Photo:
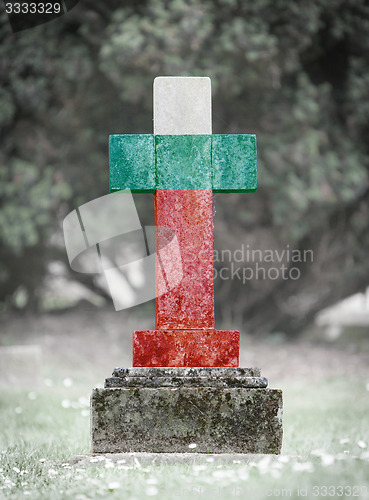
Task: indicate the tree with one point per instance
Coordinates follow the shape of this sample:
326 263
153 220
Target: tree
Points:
296 75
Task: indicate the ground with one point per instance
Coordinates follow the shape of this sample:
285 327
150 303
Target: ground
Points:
326 403
89 342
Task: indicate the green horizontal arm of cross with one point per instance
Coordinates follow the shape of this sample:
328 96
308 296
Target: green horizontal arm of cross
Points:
144 163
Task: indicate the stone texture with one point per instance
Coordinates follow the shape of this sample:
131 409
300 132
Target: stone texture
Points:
190 305
203 371
184 376
251 382
132 163
234 163
217 420
182 105
144 162
186 348
183 162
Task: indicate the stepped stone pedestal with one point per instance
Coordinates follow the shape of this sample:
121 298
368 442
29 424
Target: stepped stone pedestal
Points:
165 410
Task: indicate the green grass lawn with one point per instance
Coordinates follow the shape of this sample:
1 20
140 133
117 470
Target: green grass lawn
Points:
325 451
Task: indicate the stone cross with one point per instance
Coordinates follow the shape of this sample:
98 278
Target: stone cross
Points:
183 163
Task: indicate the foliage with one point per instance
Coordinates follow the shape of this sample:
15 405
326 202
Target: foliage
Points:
296 74
39 194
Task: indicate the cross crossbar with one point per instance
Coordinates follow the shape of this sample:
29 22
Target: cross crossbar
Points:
145 163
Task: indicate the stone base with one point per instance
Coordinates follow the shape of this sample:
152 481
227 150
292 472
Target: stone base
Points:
136 416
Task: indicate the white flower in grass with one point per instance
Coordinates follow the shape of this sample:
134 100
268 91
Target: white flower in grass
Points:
327 460
264 464
114 485
220 474
32 396
217 473
152 491
26 492
124 467
8 482
121 461
109 465
344 440
18 410
65 403
318 453
199 467
84 402
277 465
341 456
85 413
67 382
243 474
192 446
361 444
303 467
275 473
52 472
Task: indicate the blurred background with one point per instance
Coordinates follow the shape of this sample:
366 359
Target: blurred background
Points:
294 73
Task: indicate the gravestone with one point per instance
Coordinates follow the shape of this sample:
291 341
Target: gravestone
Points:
185 391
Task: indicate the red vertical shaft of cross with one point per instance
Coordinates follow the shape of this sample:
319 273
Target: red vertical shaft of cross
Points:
191 305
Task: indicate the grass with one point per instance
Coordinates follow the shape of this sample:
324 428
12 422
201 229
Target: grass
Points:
325 451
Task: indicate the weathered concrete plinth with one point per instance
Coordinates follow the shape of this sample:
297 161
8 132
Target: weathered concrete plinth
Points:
165 410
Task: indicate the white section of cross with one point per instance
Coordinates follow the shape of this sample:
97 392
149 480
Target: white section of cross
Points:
182 105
